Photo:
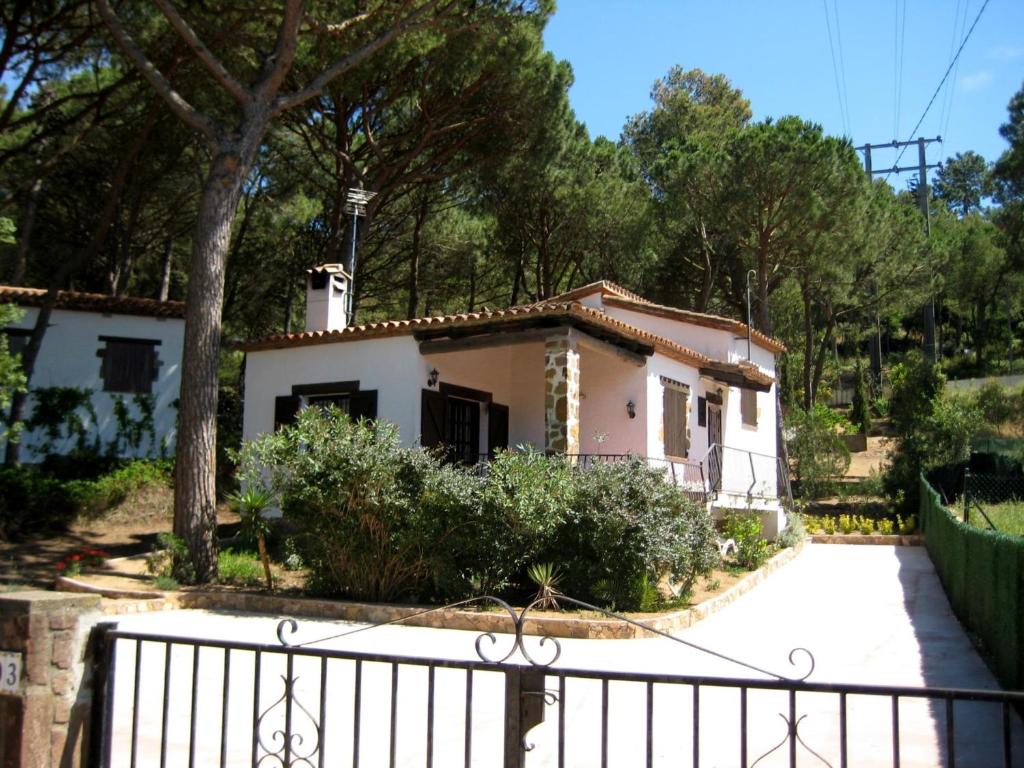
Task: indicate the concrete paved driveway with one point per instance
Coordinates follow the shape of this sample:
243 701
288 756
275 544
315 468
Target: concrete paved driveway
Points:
869 614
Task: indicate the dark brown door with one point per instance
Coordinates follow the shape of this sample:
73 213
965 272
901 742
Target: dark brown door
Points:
432 422
463 434
497 428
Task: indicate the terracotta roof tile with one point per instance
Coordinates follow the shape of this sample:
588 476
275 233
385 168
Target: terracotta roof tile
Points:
93 302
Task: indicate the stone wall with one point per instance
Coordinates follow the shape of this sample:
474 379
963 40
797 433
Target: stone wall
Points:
45 720
561 395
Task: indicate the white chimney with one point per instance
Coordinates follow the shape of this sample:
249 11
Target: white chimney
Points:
327 290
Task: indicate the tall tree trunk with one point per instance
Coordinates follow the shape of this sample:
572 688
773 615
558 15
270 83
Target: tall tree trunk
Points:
28 224
195 489
165 269
980 332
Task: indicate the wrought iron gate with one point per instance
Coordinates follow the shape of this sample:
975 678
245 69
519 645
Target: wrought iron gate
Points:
171 700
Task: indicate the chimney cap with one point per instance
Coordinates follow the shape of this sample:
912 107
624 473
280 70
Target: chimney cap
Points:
328 269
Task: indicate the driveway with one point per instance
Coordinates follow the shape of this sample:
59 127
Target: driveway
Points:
869 614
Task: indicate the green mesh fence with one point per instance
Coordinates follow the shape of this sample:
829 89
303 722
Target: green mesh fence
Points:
983 573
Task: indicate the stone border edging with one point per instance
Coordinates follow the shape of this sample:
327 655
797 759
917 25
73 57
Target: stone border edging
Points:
67 584
475 621
911 540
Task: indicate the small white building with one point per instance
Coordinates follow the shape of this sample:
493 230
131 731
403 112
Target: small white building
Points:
122 355
595 373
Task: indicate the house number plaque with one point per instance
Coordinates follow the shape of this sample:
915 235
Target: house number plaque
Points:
10 671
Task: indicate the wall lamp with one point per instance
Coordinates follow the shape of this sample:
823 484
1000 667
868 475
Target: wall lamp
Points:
631 409
432 377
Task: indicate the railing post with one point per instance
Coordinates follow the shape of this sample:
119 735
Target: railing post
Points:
967 497
524 709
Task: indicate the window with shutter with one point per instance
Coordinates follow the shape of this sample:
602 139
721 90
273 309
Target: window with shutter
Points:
674 421
129 365
748 407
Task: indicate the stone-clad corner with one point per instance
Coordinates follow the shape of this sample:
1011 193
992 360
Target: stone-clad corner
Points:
46 717
561 395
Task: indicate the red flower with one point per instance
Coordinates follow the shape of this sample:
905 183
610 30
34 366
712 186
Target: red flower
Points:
61 566
75 558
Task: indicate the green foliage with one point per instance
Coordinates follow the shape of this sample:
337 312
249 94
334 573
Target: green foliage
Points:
1000 407
241 569
860 411
745 529
546 576
132 429
12 378
885 527
170 559
63 414
794 532
378 521
931 428
37 499
818 453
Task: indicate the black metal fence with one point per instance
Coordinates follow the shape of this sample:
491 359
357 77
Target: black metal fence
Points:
171 700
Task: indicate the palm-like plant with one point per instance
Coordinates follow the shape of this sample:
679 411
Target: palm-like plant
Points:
546 576
250 504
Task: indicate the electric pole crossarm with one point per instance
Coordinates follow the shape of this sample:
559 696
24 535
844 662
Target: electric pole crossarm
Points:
904 168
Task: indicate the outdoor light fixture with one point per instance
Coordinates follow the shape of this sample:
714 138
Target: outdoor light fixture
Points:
631 409
432 377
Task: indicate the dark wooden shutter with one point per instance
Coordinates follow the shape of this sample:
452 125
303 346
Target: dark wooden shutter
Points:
286 410
674 422
363 405
497 428
702 411
432 418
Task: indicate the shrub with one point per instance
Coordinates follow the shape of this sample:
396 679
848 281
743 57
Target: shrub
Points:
817 451
865 525
931 429
885 526
847 523
745 529
171 559
377 521
997 406
860 410
794 532
625 528
828 525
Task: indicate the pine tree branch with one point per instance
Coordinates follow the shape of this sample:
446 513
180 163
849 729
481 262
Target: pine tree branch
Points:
185 111
224 78
414 20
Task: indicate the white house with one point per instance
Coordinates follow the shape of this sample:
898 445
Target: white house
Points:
595 372
124 353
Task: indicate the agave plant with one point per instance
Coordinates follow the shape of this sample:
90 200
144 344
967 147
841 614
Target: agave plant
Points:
250 504
546 576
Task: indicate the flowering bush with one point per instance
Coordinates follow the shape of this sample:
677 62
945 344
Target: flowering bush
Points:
72 565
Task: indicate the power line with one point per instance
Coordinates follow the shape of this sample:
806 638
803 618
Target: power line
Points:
951 85
942 82
842 65
900 44
835 69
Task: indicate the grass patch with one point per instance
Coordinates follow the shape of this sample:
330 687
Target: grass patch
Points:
241 569
1007 517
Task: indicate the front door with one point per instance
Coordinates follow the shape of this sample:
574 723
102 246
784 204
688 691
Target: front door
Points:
463 433
715 440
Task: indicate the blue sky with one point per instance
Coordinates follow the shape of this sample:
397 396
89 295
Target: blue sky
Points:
777 52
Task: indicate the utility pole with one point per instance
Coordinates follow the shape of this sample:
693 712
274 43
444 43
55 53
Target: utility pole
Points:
930 347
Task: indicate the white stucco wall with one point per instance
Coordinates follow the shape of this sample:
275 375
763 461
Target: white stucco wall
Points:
68 358
607 383
392 366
